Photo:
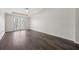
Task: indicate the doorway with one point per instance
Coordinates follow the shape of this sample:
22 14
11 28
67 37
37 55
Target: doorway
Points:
19 23
15 22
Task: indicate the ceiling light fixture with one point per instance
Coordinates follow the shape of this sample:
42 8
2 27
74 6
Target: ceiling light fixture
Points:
27 9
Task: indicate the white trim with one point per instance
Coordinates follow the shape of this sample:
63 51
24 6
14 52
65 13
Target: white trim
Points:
1 35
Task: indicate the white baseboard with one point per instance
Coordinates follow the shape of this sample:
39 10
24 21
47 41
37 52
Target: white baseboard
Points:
76 42
1 35
54 35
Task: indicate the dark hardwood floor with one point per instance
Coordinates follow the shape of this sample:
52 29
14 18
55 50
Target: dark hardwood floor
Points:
33 40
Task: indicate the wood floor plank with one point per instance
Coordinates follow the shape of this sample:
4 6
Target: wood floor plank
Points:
33 40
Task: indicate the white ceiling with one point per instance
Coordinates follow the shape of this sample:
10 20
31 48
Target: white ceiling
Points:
32 11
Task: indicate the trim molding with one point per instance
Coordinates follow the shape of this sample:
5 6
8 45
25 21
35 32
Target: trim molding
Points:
2 35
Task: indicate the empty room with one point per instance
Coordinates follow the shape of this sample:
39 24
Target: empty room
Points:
39 29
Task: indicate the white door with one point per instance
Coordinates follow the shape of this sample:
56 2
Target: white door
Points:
22 23
14 23
17 23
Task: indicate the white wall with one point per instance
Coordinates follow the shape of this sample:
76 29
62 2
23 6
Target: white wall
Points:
2 25
77 26
59 22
